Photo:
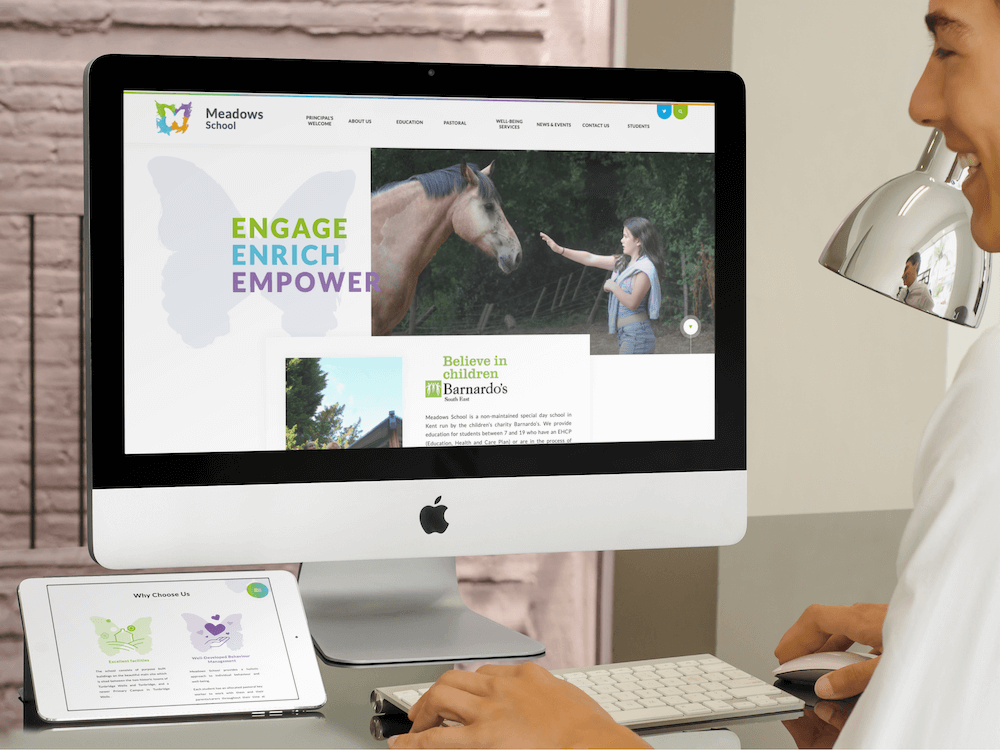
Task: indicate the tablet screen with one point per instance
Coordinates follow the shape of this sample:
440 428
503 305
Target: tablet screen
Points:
146 644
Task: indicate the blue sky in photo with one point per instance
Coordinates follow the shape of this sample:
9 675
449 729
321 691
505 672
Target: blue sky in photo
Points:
369 387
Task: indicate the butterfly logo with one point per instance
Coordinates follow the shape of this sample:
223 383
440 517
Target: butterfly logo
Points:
136 638
215 631
196 226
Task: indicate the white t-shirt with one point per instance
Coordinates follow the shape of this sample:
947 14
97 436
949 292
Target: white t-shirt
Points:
937 682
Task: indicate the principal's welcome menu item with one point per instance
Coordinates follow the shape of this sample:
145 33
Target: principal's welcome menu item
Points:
170 643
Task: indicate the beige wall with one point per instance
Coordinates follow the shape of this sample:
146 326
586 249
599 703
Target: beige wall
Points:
840 381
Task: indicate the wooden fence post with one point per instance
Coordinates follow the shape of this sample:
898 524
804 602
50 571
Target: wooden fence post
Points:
563 300
555 297
485 318
597 300
576 291
538 304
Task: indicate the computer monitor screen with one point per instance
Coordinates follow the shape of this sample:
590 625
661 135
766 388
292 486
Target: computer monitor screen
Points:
322 310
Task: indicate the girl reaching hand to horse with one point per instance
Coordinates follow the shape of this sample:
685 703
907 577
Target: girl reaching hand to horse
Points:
634 286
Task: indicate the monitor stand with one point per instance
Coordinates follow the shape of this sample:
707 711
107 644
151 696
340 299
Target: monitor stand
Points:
392 612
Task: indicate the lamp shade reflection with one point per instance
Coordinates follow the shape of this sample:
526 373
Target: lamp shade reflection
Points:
911 241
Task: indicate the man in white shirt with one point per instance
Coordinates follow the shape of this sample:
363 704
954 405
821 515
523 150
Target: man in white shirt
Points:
914 292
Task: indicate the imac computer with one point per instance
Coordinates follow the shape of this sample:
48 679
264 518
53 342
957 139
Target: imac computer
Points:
356 315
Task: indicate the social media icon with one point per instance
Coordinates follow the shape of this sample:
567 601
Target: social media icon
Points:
257 590
663 111
680 111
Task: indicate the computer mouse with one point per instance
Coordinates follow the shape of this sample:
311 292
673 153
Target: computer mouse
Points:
807 669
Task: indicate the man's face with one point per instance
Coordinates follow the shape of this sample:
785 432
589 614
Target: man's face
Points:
909 274
959 93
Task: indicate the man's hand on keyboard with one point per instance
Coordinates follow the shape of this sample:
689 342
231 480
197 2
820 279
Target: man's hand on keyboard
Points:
836 628
511 706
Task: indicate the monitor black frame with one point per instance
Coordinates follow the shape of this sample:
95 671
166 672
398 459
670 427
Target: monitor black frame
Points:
108 78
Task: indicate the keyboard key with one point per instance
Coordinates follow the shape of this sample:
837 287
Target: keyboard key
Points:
716 667
736 674
762 700
676 700
649 684
749 692
612 708
672 682
689 663
697 698
651 702
605 699
667 673
627 695
580 682
606 689
669 691
597 673
746 704
665 665
718 706
720 695
644 668
694 679
573 675
589 691
628 705
603 679
746 682
622 670
647 693
786 699
658 713
693 709
688 689
711 660
689 670
706 686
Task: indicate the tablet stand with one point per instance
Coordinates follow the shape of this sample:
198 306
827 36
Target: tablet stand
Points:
395 612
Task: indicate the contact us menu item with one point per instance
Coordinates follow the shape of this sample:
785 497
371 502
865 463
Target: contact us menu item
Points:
159 644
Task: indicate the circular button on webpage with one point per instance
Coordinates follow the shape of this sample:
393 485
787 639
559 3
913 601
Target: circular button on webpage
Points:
691 326
257 590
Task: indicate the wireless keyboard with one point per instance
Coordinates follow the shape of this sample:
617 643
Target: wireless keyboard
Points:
652 693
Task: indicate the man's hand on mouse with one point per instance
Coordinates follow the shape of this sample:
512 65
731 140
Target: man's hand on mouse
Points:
835 628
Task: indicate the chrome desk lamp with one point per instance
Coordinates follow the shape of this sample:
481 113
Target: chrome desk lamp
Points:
911 241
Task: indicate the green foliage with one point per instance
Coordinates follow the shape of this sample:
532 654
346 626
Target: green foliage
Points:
304 420
581 200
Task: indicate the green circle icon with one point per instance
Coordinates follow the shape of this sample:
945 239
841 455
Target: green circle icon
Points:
680 111
130 627
257 590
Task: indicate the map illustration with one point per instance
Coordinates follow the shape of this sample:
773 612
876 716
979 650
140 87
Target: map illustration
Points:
136 638
215 631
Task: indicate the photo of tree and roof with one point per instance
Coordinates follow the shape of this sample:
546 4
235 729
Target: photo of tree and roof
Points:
579 199
343 402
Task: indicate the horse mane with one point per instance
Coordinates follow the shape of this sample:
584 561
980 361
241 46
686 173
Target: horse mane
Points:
442 182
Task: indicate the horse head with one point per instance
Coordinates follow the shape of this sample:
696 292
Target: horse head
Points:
479 220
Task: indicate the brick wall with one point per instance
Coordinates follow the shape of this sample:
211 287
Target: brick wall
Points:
44 46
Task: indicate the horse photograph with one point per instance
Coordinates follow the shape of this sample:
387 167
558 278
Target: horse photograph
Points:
483 242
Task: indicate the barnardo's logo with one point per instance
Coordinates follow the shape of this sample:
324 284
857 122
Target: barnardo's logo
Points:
432 389
169 123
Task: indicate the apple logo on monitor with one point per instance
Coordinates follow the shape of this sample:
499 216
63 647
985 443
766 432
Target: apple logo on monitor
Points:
432 518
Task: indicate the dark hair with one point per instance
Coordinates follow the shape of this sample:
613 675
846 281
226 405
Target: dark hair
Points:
915 260
649 244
